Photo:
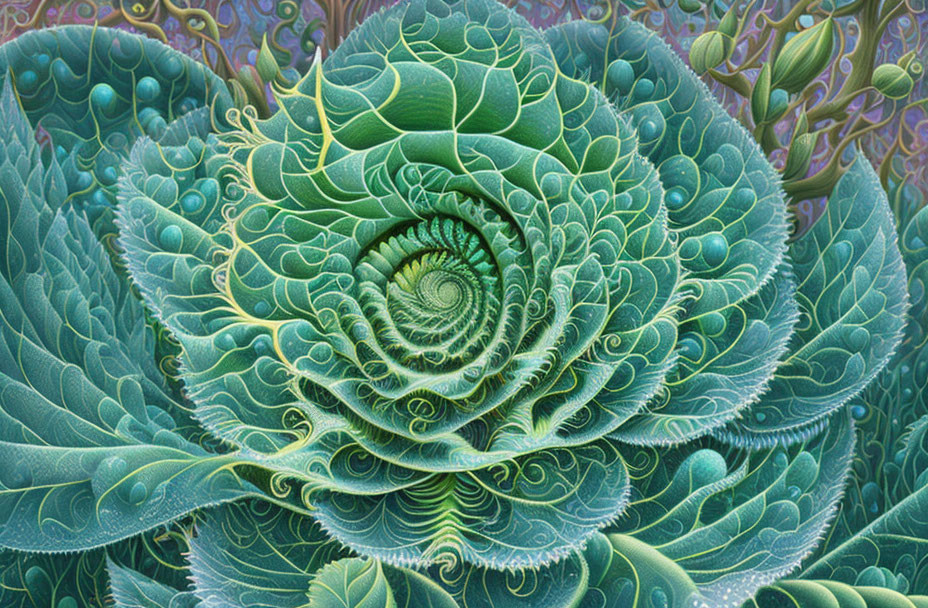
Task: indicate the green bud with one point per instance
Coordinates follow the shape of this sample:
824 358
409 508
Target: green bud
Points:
779 102
802 125
689 6
729 23
799 156
906 59
267 64
760 95
892 81
804 57
916 68
250 81
710 50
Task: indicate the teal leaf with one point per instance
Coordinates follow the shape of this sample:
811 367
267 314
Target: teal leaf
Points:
723 197
896 540
892 412
732 532
79 580
726 360
852 302
256 554
351 583
632 574
95 91
832 594
89 445
526 512
562 584
131 589
727 213
77 498
57 580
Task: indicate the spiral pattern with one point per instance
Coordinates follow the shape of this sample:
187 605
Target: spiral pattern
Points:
444 284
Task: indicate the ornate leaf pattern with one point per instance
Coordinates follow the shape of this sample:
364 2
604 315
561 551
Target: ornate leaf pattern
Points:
481 316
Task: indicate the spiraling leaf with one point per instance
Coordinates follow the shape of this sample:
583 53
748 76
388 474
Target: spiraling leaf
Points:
727 213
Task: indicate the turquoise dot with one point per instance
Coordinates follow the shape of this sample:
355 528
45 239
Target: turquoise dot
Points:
147 88
675 198
263 345
760 416
171 67
806 21
262 308
644 88
713 323
28 80
146 115
690 348
138 493
99 197
35 576
60 153
43 60
61 70
156 127
707 466
620 76
226 341
858 412
103 97
649 130
172 238
744 198
186 105
794 492
209 187
714 249
659 598
84 180
780 460
191 202
67 602
109 176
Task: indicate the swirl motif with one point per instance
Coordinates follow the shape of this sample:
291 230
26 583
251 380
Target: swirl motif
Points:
511 316
448 276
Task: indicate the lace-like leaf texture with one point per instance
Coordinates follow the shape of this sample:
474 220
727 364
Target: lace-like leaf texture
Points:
442 306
